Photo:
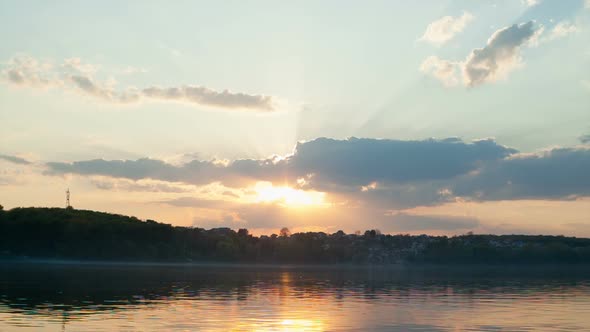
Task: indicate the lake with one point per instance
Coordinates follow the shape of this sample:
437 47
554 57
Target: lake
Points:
68 297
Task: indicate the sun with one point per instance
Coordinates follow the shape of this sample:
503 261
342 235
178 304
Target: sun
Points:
266 192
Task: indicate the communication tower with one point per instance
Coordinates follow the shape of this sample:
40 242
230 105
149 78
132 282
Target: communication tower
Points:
68 206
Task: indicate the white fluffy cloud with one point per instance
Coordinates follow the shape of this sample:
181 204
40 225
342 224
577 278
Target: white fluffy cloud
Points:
26 71
495 60
530 3
562 29
443 70
106 92
445 28
500 55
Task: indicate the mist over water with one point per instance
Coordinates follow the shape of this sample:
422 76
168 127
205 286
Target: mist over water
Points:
288 298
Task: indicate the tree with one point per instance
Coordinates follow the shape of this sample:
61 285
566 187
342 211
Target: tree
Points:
1 207
80 234
371 234
285 232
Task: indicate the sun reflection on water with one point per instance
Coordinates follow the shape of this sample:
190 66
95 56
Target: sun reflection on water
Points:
285 299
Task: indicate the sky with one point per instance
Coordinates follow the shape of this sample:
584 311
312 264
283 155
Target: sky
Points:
437 117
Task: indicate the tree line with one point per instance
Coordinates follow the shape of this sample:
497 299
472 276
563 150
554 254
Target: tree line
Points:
55 233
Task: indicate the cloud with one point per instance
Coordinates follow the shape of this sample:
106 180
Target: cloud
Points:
500 55
531 3
443 70
205 96
394 173
585 139
73 74
561 30
325 163
91 88
357 162
409 222
266 216
560 173
24 70
401 196
198 203
139 186
18 172
238 173
385 174
130 70
16 160
360 178
445 28
495 60
75 65
144 168
230 194
272 216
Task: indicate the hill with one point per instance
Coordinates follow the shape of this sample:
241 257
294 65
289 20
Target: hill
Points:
54 233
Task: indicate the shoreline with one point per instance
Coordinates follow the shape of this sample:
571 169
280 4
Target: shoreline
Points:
408 266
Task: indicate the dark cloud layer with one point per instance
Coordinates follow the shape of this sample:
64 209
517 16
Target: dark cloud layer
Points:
195 172
328 162
16 160
137 186
386 173
357 162
558 173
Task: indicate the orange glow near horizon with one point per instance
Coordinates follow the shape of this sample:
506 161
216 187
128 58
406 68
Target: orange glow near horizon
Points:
290 197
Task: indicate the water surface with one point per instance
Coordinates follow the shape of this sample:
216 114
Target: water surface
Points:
58 297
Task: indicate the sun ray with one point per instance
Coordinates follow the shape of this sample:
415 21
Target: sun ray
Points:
266 193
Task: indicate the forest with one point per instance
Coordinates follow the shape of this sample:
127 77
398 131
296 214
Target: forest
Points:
71 234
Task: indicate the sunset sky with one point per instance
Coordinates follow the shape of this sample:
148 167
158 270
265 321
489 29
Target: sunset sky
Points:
437 117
